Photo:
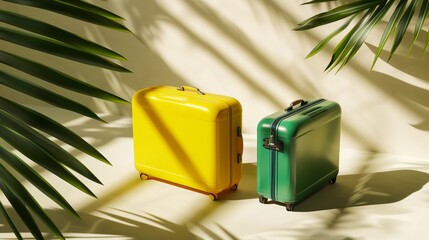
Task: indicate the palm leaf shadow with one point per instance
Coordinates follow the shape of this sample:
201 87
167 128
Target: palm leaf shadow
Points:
115 225
247 186
120 223
366 189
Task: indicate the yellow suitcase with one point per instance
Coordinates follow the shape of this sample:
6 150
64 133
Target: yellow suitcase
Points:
189 138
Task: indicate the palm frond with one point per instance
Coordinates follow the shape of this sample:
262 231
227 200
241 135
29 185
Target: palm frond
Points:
76 11
421 19
396 27
22 201
21 127
393 21
51 31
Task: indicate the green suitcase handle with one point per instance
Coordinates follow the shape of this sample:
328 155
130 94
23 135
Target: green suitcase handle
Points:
299 102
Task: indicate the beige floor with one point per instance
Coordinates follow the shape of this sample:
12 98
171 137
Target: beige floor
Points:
377 196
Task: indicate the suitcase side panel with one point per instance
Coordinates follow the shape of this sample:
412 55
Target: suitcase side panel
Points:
165 147
314 155
263 167
235 136
309 158
317 155
236 153
285 180
267 160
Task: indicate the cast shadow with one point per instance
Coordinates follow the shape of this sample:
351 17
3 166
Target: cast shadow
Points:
409 58
365 189
247 186
118 223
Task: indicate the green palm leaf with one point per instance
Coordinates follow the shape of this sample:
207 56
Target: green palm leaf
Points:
391 26
9 221
92 8
403 25
64 157
56 33
21 210
32 176
20 126
49 126
374 19
340 50
337 14
87 14
45 95
326 40
56 48
56 77
42 158
19 196
398 23
361 32
421 19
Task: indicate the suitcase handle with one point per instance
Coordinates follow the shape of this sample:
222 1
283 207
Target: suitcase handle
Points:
295 103
240 146
188 88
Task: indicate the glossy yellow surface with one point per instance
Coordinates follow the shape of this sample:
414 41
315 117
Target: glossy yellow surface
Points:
187 138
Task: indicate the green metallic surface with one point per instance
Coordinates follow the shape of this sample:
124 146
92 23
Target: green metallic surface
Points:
310 157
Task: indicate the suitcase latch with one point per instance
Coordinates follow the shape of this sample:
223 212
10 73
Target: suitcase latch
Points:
270 144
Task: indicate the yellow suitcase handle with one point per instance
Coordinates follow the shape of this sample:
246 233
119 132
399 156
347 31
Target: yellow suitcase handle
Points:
188 88
240 146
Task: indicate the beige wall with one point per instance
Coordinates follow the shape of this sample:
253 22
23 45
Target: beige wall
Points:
246 49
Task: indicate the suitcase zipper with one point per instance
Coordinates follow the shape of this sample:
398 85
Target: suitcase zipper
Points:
275 146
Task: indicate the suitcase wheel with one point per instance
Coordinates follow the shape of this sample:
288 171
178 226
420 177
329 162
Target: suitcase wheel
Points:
333 180
263 199
213 196
144 176
233 187
289 207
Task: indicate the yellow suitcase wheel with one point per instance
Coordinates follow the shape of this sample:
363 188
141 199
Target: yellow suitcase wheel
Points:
234 187
144 176
213 196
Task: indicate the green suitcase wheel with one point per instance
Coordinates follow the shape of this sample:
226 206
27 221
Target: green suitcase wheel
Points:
263 199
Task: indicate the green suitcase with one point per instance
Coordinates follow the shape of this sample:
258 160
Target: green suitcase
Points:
298 151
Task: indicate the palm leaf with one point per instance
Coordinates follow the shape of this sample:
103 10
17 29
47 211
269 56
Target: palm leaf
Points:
56 77
56 48
77 12
49 126
340 50
318 1
421 19
20 126
45 95
392 23
56 33
38 181
403 25
64 157
22 200
337 14
398 23
362 31
326 40
42 158
375 18
21 210
92 8
9 221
